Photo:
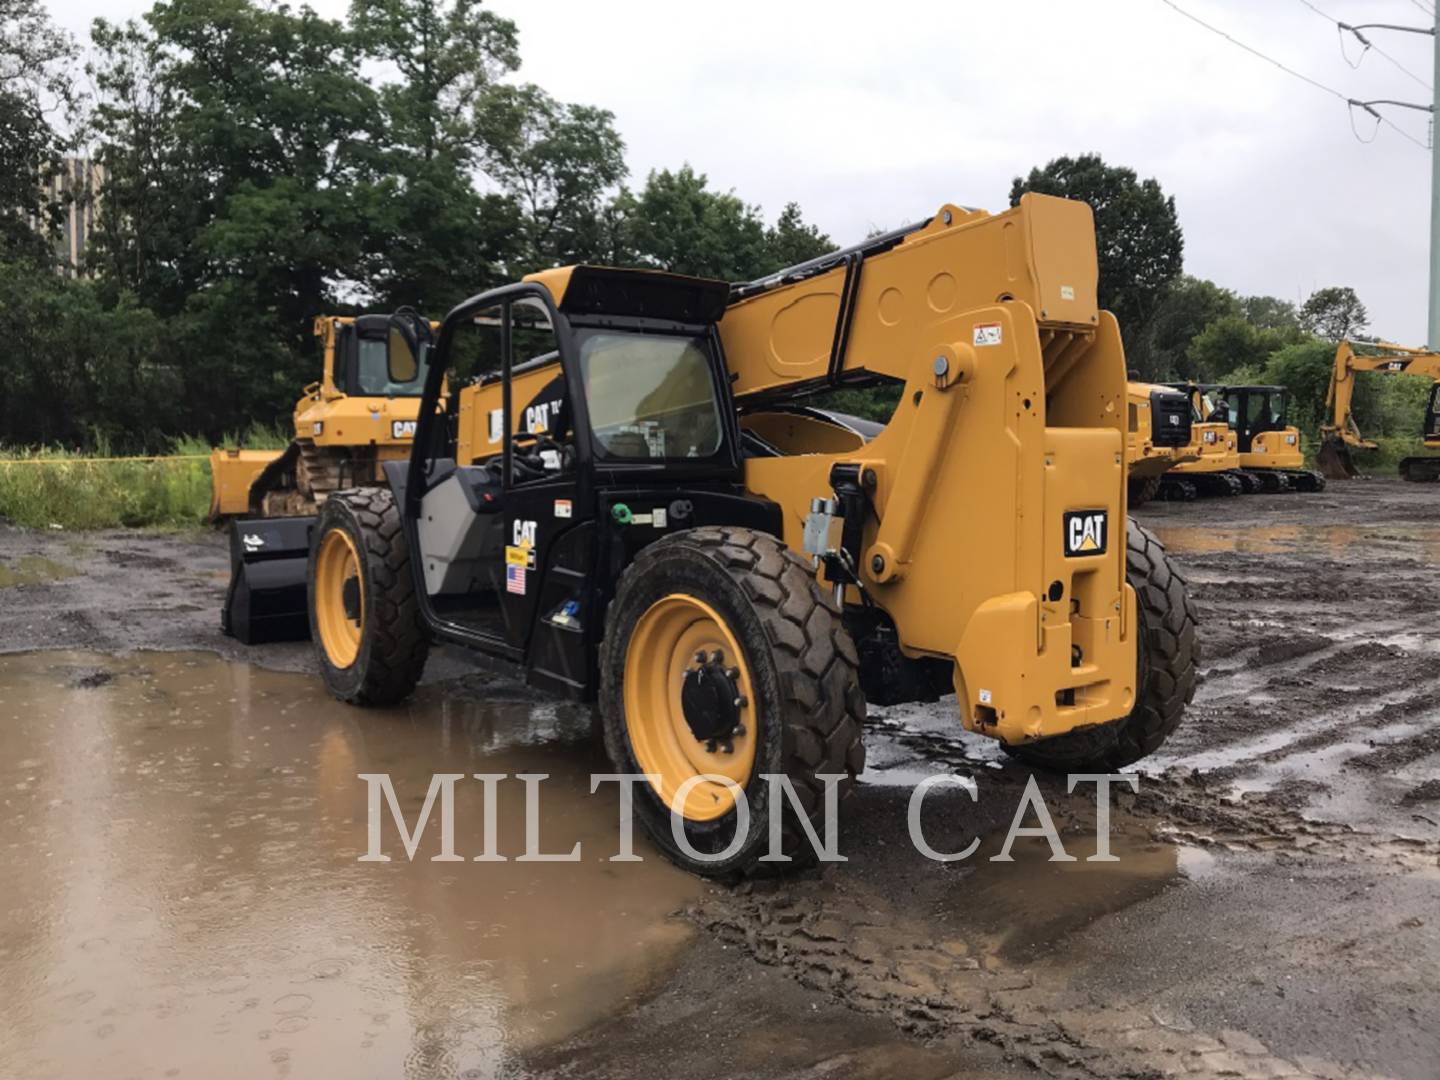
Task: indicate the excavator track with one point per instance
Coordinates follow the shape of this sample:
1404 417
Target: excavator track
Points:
1420 470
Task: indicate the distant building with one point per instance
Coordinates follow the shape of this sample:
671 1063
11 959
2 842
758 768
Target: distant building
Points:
76 188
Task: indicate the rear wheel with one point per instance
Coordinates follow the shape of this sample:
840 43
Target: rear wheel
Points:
364 615
724 663
1167 660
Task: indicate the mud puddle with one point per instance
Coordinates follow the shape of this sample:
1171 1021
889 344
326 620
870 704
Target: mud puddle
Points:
183 893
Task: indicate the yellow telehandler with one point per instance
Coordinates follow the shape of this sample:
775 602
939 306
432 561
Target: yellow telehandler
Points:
1342 434
627 496
358 416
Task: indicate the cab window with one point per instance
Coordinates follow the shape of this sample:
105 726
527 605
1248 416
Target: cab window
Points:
372 371
650 396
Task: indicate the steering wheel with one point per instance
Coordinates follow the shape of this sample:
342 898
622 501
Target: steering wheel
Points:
529 460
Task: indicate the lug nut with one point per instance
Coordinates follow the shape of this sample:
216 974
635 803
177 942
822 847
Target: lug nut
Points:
700 657
741 701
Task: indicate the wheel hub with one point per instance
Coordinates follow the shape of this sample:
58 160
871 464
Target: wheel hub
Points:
350 598
711 701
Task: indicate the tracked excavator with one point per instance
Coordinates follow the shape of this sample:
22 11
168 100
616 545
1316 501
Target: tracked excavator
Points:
1271 458
359 415
1157 438
1214 465
626 494
1342 435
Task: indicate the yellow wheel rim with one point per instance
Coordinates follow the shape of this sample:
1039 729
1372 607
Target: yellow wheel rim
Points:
664 646
337 563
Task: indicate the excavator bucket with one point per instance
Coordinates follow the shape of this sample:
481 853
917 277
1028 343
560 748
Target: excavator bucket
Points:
1334 460
231 474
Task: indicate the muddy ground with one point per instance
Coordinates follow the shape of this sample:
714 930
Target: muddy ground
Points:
184 819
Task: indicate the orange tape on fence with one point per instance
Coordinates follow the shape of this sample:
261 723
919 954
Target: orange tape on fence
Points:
100 460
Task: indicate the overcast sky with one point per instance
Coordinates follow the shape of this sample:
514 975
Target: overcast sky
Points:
871 115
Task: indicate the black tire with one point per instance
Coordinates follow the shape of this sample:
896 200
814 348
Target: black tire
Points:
1142 491
393 644
1167 661
804 675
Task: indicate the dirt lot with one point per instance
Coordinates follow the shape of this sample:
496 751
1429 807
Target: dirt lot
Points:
183 823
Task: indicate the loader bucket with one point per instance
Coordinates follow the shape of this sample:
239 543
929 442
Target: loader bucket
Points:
231 474
1334 460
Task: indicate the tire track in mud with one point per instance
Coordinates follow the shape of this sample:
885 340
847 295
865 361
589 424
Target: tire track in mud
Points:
839 936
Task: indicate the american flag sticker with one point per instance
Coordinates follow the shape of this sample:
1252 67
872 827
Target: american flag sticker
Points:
515 579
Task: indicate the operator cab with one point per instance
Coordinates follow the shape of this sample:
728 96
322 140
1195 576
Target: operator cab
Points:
1431 431
1254 410
367 364
589 414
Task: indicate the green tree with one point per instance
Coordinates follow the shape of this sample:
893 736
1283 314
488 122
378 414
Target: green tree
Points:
1334 313
1137 233
791 241
436 238
1271 313
1228 343
36 80
1187 306
234 133
558 162
675 222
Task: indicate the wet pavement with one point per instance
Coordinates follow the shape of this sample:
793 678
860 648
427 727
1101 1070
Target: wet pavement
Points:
183 835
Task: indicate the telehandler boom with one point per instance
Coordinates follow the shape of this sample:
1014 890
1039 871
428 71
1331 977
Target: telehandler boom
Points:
1342 434
626 496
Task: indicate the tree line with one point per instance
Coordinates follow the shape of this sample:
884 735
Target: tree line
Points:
263 165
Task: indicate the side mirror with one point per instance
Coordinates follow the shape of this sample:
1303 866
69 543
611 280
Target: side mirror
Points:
400 357
409 330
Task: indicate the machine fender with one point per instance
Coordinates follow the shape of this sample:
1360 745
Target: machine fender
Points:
265 600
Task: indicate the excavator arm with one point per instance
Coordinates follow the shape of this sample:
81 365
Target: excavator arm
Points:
1342 433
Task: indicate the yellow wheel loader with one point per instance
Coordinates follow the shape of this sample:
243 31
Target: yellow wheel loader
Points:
1342 434
358 416
1157 437
627 497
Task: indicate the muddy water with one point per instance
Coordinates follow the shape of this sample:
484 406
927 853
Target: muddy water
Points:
182 892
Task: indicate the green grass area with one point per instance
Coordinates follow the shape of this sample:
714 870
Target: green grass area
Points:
47 487
44 488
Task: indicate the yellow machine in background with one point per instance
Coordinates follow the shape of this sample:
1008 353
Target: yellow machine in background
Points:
1157 437
636 507
1342 434
1269 446
358 416
1215 466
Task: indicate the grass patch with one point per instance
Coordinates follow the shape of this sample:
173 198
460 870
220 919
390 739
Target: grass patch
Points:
44 488
1385 461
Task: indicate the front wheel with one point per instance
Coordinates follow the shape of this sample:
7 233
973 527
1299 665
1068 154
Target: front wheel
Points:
364 616
723 666
1167 658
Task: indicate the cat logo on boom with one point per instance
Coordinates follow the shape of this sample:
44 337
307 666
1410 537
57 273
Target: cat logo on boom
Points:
1085 532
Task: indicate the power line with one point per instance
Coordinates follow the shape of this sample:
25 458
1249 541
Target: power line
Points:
1349 102
1364 41
1424 7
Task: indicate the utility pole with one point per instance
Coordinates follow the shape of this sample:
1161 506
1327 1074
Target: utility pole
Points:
1433 336
1433 327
